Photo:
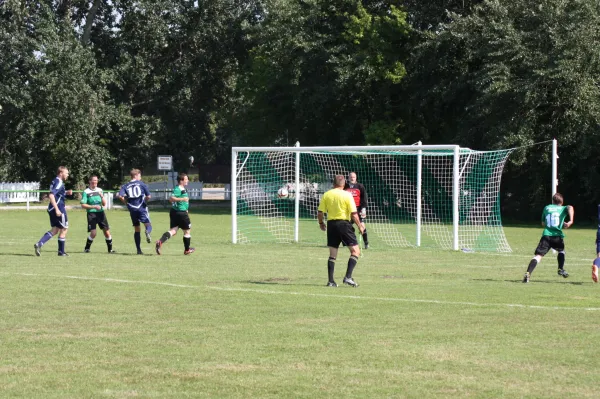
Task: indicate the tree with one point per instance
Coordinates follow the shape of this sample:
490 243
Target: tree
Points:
321 72
511 74
54 99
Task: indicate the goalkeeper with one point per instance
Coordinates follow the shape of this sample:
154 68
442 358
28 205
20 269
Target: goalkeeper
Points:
359 194
93 201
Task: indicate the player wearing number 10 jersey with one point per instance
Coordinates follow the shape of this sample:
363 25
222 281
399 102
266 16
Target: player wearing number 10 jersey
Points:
553 220
135 194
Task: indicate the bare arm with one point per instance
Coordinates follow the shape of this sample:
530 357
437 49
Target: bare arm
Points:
321 223
571 212
357 222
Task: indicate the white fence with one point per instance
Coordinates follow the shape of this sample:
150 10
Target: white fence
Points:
11 193
20 192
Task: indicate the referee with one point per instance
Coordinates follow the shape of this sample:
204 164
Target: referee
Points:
340 209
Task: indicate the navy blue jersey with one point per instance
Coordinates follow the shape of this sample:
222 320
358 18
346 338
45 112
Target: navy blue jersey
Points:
57 187
135 193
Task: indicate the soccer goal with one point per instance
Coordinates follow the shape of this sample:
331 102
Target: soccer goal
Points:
440 196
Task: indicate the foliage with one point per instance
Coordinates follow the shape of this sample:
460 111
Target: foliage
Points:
512 74
103 86
321 72
54 105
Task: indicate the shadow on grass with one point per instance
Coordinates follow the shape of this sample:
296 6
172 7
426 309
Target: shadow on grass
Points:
283 281
520 281
127 254
81 252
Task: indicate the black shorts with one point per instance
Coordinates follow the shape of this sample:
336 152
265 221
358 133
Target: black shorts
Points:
340 231
96 218
548 242
179 219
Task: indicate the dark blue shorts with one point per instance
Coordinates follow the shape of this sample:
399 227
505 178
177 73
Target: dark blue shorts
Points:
139 216
61 222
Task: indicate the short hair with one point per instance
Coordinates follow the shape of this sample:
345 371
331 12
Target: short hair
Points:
61 169
339 181
134 172
351 173
557 199
181 177
92 176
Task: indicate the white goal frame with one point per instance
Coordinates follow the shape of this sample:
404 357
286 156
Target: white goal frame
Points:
418 148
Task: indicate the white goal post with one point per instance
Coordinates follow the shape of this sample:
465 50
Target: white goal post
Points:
441 196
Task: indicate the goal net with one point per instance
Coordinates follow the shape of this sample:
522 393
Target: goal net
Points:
433 196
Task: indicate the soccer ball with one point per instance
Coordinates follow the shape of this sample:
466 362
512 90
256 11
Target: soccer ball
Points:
283 192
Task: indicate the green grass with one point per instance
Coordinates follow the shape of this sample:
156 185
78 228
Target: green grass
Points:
246 321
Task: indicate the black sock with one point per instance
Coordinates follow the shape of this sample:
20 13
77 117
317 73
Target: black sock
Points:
186 242
351 264
109 244
88 243
165 237
365 238
137 239
532 265
330 268
561 260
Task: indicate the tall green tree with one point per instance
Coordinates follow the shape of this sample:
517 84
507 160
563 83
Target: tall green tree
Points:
54 101
511 74
177 63
322 72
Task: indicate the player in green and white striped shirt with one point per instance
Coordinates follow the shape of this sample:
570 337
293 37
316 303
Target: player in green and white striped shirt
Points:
93 202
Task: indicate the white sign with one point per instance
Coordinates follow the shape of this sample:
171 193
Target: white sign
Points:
165 162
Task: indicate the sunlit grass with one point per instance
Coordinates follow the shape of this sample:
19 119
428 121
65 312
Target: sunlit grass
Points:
258 321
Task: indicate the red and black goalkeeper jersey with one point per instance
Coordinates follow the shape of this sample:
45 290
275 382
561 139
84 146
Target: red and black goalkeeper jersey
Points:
358 193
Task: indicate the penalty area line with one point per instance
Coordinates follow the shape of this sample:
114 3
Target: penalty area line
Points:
308 294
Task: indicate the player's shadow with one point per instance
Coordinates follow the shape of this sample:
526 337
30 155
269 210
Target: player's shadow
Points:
14 254
531 282
281 282
272 281
130 254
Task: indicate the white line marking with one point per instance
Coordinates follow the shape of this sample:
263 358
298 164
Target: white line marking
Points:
432 301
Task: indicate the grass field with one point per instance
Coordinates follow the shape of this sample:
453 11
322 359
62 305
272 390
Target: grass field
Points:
256 321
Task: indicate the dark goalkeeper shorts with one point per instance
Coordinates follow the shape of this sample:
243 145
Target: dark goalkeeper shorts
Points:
340 231
97 219
547 242
179 219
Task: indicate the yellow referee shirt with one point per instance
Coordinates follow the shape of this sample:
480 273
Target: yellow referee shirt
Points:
337 204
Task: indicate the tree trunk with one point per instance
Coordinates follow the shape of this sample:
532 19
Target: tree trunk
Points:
89 20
